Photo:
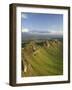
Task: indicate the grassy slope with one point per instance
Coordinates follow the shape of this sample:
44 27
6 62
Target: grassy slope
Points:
47 61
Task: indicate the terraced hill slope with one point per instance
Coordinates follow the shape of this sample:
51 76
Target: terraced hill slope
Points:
43 58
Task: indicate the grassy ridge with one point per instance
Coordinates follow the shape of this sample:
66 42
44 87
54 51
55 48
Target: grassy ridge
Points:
42 60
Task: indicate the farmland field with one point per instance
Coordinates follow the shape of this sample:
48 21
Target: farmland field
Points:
42 58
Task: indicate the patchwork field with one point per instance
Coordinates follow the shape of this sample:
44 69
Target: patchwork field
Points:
42 58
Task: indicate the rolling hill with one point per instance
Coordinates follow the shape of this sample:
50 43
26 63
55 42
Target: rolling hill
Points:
42 58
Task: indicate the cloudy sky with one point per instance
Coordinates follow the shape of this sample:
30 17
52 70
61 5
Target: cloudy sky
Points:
42 23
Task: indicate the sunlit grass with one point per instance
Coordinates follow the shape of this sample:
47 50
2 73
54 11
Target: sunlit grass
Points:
43 61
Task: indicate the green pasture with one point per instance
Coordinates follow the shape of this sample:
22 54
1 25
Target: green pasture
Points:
44 61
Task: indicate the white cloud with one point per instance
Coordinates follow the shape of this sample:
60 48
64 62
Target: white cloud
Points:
49 32
54 32
24 16
25 30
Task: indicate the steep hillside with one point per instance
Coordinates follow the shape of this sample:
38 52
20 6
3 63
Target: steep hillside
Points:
42 58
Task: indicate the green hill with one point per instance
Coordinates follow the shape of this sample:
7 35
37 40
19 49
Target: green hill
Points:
43 58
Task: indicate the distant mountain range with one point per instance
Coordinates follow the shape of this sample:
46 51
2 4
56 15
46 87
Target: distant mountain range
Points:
36 36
